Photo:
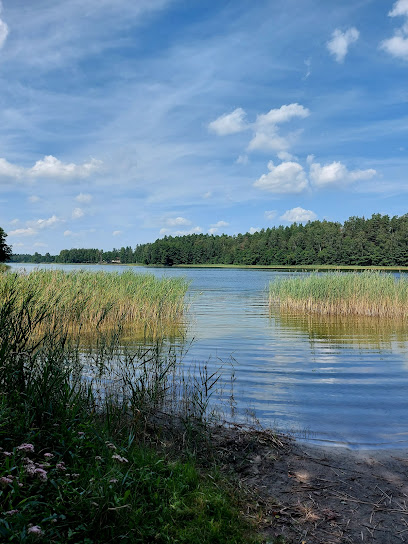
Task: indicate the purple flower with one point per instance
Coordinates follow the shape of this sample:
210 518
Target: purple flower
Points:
6 480
35 530
26 447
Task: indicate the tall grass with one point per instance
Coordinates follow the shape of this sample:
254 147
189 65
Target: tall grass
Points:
77 429
373 294
90 300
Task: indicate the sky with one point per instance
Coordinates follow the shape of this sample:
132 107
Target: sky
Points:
123 121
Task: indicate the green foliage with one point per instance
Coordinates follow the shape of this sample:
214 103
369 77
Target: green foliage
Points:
378 241
5 250
76 460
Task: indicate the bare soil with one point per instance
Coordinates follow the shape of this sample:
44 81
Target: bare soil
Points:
303 494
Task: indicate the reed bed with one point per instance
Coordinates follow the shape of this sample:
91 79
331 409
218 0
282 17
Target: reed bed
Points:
90 300
371 294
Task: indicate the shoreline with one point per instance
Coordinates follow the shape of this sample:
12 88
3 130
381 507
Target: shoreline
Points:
318 494
297 267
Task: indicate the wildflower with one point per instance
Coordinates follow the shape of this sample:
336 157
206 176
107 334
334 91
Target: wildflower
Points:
35 530
110 446
113 481
20 484
7 453
48 455
75 475
61 466
6 480
120 459
81 434
26 447
98 458
41 474
11 512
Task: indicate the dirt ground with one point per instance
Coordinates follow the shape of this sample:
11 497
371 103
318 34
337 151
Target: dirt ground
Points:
314 495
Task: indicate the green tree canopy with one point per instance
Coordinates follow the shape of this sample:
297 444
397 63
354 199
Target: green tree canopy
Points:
5 250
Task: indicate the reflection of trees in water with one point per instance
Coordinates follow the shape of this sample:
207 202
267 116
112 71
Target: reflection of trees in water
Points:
361 332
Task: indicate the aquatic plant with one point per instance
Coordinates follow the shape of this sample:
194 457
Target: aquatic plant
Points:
90 300
373 294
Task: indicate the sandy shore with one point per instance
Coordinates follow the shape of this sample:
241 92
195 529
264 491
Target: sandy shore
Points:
319 495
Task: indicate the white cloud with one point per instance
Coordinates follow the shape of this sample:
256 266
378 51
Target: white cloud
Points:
242 159
33 198
219 224
69 233
40 244
3 29
399 8
77 213
341 41
9 170
84 198
270 214
229 123
213 230
287 177
51 167
282 115
285 156
177 221
298 215
14 221
195 230
397 46
44 223
267 137
252 230
23 232
116 232
208 194
336 173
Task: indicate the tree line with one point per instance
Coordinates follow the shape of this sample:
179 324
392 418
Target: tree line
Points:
380 240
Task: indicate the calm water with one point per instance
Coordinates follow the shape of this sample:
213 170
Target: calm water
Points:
330 381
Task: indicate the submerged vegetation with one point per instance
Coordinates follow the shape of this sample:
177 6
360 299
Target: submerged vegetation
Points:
373 294
98 445
150 306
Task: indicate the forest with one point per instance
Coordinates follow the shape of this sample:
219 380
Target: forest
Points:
380 240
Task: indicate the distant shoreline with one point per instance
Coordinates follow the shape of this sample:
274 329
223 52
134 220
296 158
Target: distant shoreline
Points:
247 266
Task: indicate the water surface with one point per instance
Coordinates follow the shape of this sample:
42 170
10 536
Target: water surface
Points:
333 381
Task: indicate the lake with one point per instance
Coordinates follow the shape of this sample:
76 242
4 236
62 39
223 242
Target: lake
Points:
329 381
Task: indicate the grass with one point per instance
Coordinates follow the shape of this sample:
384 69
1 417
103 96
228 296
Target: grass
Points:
89 300
85 434
372 294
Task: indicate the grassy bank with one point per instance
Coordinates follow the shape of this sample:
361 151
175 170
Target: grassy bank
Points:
371 294
99 446
90 300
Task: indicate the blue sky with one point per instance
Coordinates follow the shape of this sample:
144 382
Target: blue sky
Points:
122 121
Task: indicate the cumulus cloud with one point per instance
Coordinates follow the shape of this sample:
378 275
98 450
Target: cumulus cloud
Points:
208 194
49 167
287 177
68 233
23 232
116 232
397 46
41 224
219 224
340 42
266 136
229 123
33 198
252 230
177 221
298 215
84 198
77 213
336 173
195 230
